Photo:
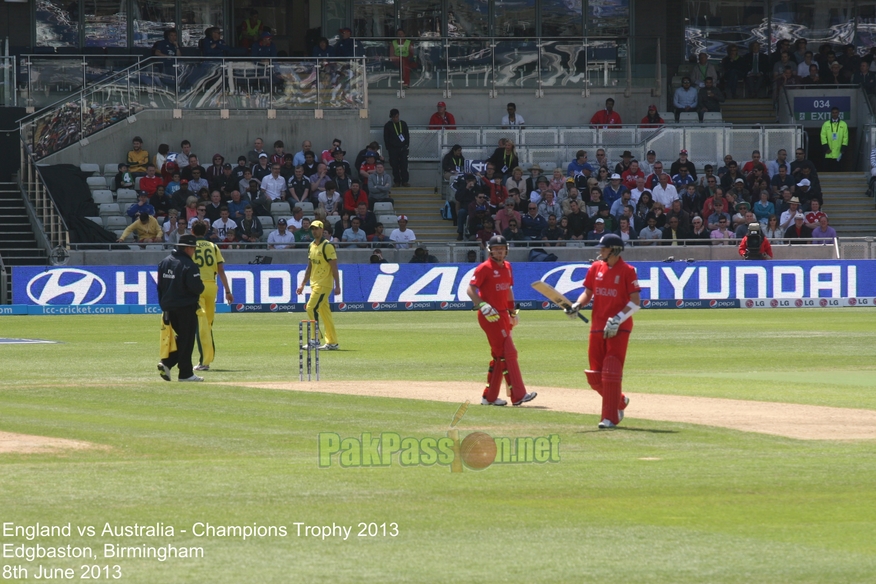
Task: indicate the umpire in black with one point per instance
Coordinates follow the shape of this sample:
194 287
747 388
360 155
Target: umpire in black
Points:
179 288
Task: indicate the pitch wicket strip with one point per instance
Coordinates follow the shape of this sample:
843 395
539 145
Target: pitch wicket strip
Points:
311 343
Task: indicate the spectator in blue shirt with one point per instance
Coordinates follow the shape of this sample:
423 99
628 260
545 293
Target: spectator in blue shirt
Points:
613 190
237 206
265 46
533 223
141 206
579 166
347 46
322 49
213 45
685 98
682 179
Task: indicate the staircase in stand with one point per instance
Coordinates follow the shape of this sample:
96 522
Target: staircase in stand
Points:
747 112
18 245
423 209
852 213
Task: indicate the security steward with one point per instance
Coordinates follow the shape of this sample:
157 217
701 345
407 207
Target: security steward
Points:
179 289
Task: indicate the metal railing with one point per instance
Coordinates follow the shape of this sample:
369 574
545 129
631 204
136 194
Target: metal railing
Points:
4 283
8 76
47 214
557 145
194 83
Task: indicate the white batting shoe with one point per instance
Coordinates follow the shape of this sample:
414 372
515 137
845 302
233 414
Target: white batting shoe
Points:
201 367
499 402
193 378
329 347
526 398
620 413
606 424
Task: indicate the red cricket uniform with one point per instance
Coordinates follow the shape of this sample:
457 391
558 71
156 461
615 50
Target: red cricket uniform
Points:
611 287
493 282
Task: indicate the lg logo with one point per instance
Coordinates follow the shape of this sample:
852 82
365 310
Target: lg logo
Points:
66 286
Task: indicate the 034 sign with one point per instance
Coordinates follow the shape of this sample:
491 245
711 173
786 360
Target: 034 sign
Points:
817 109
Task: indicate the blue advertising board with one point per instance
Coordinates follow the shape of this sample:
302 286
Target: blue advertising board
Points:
708 284
817 108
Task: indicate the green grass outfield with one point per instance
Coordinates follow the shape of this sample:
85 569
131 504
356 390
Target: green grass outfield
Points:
717 506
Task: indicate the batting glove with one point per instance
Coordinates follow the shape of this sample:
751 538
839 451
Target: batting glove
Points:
489 312
611 327
572 311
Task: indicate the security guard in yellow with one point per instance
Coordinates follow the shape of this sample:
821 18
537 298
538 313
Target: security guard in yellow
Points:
834 140
209 260
322 273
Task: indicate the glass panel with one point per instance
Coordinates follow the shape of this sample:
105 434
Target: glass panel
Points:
563 64
468 18
716 25
154 84
471 64
107 106
7 81
195 17
57 23
341 85
517 64
52 79
297 81
335 15
866 24
97 69
825 21
56 129
201 85
374 18
514 19
419 18
151 19
431 69
602 62
608 17
560 18
106 24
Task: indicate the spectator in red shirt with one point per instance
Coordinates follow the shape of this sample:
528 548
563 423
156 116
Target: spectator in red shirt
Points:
653 119
442 118
354 197
606 117
151 181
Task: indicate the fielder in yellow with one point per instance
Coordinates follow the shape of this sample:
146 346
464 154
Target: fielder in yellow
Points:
322 273
209 260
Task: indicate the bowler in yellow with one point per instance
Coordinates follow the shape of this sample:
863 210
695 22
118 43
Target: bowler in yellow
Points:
322 273
834 140
209 260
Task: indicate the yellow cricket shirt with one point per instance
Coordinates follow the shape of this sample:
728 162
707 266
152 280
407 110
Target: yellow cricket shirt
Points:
320 254
208 257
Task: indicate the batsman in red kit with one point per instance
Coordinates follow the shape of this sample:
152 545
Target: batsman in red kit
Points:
613 286
490 290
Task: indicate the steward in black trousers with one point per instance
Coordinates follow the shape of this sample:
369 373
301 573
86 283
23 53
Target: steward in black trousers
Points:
179 288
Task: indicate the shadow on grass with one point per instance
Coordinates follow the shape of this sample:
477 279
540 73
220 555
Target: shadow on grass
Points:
627 429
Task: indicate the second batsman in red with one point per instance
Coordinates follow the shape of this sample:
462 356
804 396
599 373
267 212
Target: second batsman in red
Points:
613 286
491 291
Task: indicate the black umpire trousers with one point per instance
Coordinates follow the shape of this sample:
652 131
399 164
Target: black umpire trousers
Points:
398 160
185 326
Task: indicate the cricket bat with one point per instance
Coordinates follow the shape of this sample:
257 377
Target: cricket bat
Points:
551 294
453 434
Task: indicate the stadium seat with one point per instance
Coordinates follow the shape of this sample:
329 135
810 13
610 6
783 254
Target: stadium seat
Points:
126 196
102 197
280 208
713 118
110 169
97 220
267 224
688 118
332 219
137 183
92 168
306 206
114 222
389 221
383 208
107 209
96 183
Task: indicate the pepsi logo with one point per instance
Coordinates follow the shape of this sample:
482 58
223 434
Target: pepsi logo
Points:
342 306
409 305
679 303
798 303
239 307
853 301
713 303
646 303
375 306
749 303
774 303
444 305
545 305
273 308
822 302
